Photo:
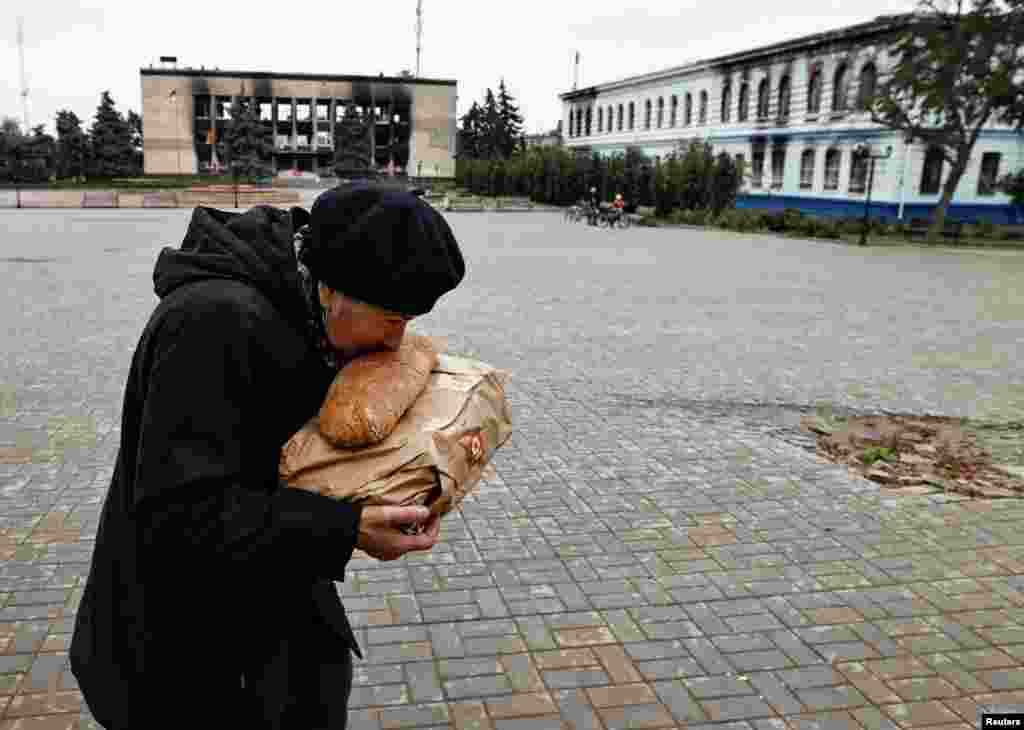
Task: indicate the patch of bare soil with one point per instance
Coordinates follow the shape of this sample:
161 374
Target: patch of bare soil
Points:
915 454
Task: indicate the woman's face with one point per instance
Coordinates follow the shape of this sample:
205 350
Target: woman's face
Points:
356 328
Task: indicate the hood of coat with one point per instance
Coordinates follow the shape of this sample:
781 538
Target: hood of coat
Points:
255 247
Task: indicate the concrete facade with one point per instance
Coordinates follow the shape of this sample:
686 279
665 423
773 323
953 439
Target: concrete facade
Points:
805 138
186 109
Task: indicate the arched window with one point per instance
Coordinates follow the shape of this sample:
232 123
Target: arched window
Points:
632 116
647 114
675 110
784 96
832 159
726 102
688 110
589 110
609 119
858 172
703 107
839 89
619 125
763 92
807 169
814 93
572 118
744 109
866 86
600 119
931 172
661 110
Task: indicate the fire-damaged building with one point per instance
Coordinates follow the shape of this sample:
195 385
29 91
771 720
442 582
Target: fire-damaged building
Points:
186 112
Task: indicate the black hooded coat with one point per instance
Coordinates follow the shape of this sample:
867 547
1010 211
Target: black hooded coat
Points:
211 584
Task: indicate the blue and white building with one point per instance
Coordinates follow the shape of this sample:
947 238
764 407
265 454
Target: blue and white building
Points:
793 112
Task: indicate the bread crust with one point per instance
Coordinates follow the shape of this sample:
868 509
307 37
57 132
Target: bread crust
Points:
370 394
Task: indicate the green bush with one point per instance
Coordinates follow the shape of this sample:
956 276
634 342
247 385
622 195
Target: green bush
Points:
986 228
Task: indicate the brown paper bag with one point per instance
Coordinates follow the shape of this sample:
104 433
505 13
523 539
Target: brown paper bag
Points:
435 454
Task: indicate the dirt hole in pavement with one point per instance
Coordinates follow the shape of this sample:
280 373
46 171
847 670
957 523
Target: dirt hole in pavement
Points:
918 454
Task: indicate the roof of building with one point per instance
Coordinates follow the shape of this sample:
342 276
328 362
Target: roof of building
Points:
221 73
880 24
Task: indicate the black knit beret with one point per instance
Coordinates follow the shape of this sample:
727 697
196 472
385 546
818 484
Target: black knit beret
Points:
384 246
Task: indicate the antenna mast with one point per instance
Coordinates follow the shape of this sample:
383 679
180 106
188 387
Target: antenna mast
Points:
24 79
419 32
576 72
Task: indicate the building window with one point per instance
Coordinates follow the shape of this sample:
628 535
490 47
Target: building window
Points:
302 112
778 166
688 110
323 111
283 141
832 159
661 110
600 119
989 173
807 170
931 173
814 93
266 111
223 107
763 94
619 125
579 122
839 89
858 172
340 106
726 102
571 128
610 115
202 105
703 117
784 97
632 116
757 167
744 109
323 139
590 109
866 87
284 111
647 114
675 111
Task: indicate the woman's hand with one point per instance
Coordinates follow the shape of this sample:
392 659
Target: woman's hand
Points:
380 536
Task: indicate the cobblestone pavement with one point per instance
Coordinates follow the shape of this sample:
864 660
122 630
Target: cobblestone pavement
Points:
655 546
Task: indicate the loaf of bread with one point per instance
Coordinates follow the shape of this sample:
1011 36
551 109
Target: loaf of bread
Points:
371 393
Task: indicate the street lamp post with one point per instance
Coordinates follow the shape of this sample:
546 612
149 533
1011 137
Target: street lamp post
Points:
865 149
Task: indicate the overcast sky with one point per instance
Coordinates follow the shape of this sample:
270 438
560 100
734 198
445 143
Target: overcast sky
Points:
75 50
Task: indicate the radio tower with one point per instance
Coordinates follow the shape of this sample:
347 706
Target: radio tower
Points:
419 32
24 79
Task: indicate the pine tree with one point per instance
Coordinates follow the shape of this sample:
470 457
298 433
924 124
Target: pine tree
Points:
352 151
135 123
11 141
469 134
72 145
511 121
247 148
36 161
112 151
491 136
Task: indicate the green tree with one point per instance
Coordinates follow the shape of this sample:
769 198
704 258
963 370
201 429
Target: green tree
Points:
11 142
725 183
470 132
491 135
352 149
247 148
72 146
955 71
135 123
511 122
37 157
112 152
